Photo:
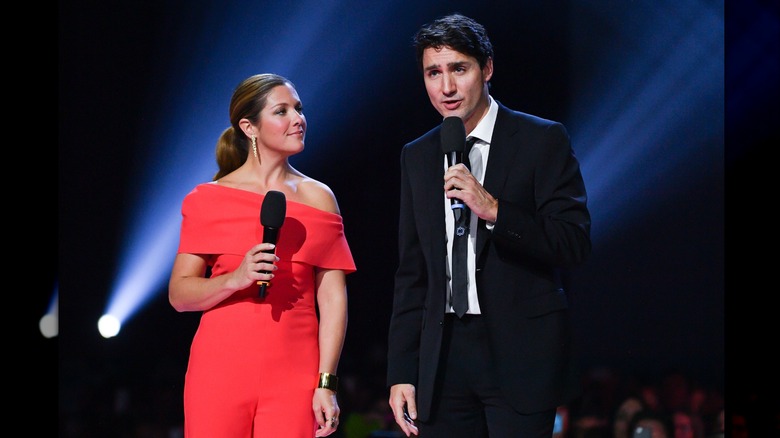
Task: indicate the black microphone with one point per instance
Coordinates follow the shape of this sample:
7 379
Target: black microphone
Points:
453 144
271 217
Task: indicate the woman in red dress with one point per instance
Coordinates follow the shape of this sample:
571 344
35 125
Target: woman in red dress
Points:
262 366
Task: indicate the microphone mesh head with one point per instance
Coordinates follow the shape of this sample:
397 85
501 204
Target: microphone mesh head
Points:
453 135
273 209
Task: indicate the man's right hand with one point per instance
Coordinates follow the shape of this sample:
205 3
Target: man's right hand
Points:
402 402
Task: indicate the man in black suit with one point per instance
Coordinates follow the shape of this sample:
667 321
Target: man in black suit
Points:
503 368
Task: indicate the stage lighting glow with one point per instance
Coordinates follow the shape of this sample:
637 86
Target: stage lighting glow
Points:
49 325
662 111
147 262
181 152
109 326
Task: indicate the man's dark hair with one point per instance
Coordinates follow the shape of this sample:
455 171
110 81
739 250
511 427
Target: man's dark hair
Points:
458 32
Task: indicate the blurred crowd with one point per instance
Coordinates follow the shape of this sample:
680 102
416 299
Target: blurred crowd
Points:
613 405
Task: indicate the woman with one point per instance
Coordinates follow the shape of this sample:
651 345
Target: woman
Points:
262 366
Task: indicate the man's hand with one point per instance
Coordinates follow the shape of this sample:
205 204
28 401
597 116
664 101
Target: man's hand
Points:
402 402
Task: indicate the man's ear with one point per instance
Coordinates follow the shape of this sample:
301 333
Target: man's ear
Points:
487 70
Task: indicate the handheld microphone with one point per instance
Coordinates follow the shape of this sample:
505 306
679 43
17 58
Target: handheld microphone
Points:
271 217
453 144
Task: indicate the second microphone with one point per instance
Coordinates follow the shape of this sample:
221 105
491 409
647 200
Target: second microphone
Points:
272 214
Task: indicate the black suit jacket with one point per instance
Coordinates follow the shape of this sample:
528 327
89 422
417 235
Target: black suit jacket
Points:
543 225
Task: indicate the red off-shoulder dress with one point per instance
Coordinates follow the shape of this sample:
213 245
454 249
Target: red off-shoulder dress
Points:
253 362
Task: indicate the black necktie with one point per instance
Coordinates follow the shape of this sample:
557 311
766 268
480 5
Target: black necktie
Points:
460 273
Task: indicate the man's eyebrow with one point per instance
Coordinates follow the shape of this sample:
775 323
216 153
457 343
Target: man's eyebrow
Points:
450 65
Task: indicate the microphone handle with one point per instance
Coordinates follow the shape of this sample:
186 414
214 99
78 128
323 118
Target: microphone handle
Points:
454 159
270 235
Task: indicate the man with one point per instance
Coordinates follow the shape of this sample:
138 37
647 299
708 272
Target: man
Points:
503 368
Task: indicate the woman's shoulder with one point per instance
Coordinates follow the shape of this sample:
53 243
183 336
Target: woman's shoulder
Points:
200 190
316 194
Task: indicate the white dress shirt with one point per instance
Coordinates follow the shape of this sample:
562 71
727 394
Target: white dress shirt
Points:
478 157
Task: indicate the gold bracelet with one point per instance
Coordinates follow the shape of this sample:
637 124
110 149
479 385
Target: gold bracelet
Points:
328 381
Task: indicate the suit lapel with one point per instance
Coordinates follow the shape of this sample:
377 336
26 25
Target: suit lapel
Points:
429 165
503 149
502 152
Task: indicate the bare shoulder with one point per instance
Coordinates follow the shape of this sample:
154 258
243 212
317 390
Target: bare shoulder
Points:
318 195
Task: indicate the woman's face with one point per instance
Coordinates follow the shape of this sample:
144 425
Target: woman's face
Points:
282 126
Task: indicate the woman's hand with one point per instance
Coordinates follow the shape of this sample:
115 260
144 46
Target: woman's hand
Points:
326 411
258 265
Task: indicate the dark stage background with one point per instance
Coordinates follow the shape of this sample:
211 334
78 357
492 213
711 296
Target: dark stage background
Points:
651 298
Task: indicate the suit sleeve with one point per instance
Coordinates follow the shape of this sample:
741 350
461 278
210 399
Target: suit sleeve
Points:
557 231
409 292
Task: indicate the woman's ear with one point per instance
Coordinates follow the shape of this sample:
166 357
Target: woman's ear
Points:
247 128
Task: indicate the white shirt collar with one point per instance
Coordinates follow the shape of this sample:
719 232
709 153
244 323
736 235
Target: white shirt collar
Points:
484 129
